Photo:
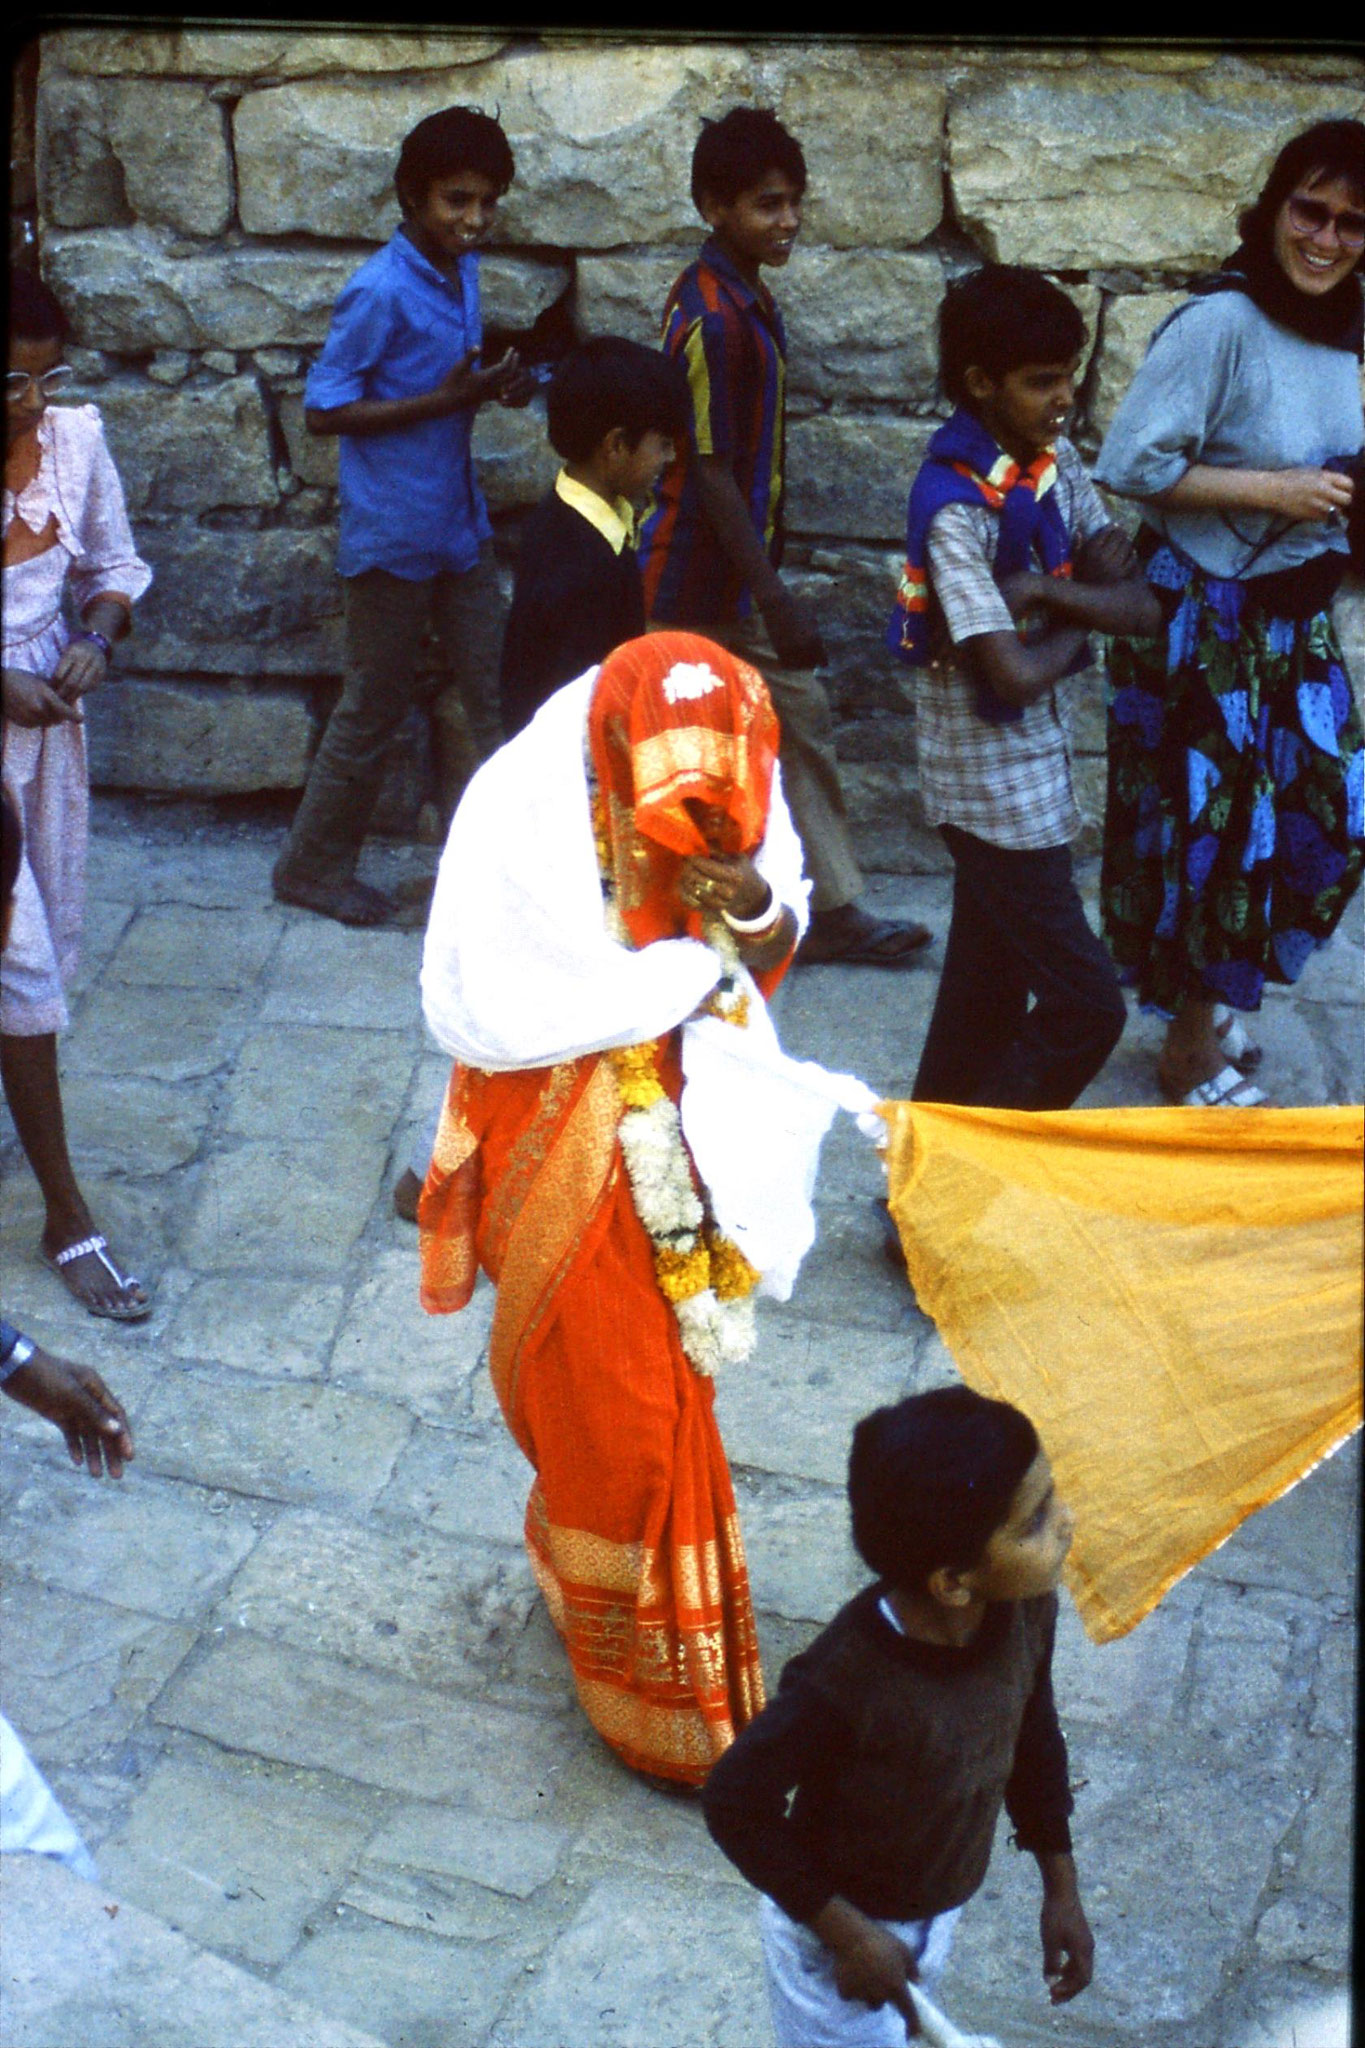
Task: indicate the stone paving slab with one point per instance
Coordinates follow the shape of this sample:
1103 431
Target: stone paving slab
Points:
159 1549
273 1205
176 945
631 1948
389 1347
291 1675
120 1031
326 973
299 1708
305 1079
298 1441
414 1989
273 1329
236 1852
82 1967
792 1408
79 1674
422 1606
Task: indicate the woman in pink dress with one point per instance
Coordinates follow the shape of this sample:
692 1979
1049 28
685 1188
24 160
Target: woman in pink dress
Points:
66 532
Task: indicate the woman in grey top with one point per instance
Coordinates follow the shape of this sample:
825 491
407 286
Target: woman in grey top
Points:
1236 808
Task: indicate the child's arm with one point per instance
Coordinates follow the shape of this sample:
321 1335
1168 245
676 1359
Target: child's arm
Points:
745 1802
1038 1801
463 386
979 619
791 623
1107 592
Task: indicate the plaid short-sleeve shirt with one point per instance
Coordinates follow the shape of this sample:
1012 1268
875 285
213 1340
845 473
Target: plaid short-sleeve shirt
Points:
729 337
1009 784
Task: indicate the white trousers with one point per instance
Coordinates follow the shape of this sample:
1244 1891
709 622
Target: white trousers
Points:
807 2006
30 1817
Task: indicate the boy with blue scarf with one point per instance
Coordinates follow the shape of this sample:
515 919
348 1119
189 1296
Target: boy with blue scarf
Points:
1011 559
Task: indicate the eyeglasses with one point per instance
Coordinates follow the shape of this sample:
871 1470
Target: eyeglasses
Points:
19 382
1310 217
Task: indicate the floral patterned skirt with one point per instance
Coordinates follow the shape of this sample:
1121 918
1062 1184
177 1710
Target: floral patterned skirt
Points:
1235 825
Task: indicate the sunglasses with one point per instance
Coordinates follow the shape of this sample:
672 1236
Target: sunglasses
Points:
1310 217
18 382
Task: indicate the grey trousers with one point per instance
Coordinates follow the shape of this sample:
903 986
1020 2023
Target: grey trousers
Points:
387 620
810 768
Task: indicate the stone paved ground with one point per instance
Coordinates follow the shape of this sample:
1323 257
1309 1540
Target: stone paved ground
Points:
292 1677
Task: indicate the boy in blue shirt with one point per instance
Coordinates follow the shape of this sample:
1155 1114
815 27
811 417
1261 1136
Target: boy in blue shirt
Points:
1010 558
863 1800
399 380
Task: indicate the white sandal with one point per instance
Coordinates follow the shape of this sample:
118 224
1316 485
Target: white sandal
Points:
1231 1031
98 1245
1227 1090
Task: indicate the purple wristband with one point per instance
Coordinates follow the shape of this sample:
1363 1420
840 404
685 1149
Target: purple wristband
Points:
105 647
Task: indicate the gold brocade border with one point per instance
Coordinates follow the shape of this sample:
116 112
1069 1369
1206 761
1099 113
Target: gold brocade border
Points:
652 1735
560 1205
524 1162
680 755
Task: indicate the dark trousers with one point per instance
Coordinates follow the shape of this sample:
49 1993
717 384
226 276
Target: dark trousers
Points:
387 620
1018 931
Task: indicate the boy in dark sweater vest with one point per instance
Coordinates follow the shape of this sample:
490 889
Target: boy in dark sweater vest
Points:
614 410
923 1707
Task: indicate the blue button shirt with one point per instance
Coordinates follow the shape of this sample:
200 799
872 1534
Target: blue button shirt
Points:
409 500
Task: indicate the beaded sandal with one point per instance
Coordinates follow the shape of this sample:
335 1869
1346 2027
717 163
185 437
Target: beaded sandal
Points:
97 1246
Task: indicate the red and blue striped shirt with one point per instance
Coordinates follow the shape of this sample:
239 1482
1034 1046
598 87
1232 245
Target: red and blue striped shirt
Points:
728 334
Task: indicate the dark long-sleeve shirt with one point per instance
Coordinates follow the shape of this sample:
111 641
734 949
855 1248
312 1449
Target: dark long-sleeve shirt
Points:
576 596
899 1754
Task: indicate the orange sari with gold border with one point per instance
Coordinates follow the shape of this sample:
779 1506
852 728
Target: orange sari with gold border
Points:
631 1523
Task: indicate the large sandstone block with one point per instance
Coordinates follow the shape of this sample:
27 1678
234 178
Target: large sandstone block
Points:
313 458
849 475
189 450
624 294
602 137
1129 323
197 739
125 149
869 119
515 290
860 323
133 289
239 603
512 455
252 53
79 177
1097 167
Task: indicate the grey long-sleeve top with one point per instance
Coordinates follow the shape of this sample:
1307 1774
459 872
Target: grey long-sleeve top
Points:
1224 384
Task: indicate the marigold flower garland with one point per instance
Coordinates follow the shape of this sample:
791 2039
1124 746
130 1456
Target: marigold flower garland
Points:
705 1276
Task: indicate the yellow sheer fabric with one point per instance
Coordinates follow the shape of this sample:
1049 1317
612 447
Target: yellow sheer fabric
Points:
1173 1296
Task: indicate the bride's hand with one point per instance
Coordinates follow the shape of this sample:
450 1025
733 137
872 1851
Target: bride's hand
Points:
719 882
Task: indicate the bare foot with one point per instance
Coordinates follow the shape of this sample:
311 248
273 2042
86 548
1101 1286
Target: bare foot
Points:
406 1192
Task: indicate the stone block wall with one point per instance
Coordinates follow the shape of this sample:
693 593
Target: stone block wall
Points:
203 193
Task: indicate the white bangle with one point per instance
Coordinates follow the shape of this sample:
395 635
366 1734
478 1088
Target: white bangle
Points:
753 927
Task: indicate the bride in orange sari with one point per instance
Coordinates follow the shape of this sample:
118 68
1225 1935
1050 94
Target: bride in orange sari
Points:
621 887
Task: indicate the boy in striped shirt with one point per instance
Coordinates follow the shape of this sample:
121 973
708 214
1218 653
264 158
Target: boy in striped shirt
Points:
711 545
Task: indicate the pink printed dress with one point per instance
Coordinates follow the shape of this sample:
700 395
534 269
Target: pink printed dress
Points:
45 766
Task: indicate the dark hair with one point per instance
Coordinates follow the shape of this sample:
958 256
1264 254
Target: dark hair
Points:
1330 149
11 850
737 152
34 313
931 1480
457 139
999 319
610 382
